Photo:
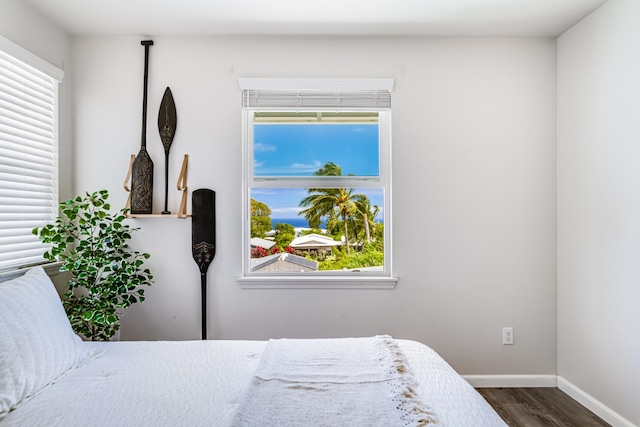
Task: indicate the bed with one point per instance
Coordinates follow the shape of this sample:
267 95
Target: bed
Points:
49 377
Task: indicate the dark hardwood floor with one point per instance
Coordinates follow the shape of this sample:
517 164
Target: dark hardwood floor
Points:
532 407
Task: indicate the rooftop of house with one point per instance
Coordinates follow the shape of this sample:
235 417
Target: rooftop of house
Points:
263 243
313 241
283 262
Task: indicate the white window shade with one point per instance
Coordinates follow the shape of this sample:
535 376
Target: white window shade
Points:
28 155
317 94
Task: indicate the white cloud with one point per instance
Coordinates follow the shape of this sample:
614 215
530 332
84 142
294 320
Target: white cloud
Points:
263 148
303 166
285 212
294 169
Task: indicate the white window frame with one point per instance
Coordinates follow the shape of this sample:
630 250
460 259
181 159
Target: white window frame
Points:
325 279
29 66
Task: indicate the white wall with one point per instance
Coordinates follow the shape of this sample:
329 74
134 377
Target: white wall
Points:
27 27
474 188
599 207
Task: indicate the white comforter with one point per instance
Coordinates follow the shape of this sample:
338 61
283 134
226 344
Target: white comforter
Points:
200 383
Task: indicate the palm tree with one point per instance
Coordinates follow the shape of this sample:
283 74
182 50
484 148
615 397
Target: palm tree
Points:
326 200
329 169
368 214
323 201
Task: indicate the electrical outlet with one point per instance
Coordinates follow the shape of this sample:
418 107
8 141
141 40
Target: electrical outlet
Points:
507 336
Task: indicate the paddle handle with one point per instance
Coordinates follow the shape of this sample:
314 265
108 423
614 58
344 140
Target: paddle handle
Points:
166 210
203 285
146 44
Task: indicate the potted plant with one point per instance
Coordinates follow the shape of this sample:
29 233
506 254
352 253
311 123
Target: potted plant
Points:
106 275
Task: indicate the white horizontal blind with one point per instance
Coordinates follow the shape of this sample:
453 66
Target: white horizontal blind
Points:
316 94
317 99
28 159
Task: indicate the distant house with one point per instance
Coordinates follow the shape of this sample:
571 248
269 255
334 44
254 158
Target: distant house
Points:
314 241
263 243
283 262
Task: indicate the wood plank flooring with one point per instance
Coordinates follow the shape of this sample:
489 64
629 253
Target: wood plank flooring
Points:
532 407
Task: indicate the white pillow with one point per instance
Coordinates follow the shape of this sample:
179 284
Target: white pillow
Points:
37 344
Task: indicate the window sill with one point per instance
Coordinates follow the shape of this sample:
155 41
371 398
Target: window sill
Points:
281 282
51 268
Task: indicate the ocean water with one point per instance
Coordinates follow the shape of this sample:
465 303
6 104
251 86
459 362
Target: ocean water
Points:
299 222
296 222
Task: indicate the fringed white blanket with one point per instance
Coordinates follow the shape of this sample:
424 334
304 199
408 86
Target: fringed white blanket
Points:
333 382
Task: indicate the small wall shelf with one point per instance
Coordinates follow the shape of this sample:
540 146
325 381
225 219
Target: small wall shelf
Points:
181 185
130 215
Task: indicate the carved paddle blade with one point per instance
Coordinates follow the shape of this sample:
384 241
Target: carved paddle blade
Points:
203 227
142 184
167 119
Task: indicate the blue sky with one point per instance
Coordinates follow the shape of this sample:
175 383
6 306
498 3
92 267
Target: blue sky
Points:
302 149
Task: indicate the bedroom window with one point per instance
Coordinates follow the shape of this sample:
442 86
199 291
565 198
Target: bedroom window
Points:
317 183
28 153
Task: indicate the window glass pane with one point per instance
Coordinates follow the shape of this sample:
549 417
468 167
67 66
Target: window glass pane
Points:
299 144
317 229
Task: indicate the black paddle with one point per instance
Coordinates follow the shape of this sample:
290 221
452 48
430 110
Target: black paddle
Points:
142 168
167 121
203 240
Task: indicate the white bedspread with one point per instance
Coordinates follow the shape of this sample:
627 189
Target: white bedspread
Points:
200 383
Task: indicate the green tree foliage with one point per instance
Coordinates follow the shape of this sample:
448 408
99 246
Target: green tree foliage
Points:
260 219
329 169
107 275
369 256
285 233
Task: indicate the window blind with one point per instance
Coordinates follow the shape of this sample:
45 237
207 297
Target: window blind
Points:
28 157
313 94
317 99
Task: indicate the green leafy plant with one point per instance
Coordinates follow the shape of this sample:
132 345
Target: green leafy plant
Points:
107 276
369 256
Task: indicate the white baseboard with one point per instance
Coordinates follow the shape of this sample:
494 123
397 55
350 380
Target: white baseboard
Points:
510 381
594 405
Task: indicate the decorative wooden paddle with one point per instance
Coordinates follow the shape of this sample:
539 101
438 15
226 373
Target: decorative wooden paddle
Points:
142 168
167 121
203 240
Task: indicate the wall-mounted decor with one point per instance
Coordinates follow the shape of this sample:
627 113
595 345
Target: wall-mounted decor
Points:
203 240
140 199
167 121
142 168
